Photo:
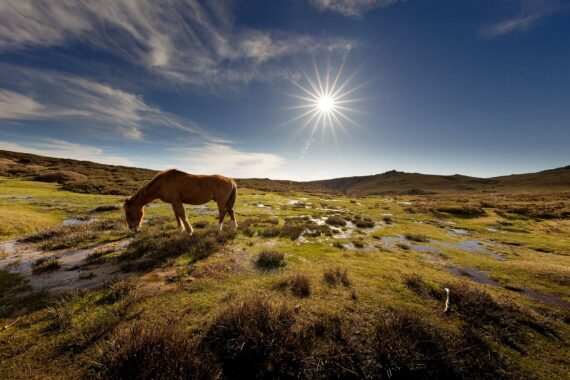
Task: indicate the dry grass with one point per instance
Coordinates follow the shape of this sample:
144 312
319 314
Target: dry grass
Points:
336 276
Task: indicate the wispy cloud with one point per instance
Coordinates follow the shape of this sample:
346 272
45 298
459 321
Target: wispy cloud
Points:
184 40
65 149
353 8
531 11
44 95
227 160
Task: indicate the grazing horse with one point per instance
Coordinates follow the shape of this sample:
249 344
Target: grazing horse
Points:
176 187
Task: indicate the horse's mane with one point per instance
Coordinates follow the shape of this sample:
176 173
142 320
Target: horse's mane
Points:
140 194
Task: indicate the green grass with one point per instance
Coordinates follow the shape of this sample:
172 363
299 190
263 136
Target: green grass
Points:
326 301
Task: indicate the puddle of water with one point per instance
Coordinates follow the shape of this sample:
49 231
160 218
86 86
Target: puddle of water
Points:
72 221
393 240
459 231
482 278
405 203
292 201
16 196
473 246
546 298
492 229
475 275
21 257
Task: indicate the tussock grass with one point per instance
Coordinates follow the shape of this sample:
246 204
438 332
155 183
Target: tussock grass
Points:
45 264
270 259
336 276
299 284
256 331
147 350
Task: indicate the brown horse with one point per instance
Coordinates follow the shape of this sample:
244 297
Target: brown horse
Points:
176 187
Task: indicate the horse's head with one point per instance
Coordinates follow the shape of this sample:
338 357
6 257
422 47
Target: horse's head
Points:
134 215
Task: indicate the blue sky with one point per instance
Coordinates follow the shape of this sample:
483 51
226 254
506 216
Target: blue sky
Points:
478 87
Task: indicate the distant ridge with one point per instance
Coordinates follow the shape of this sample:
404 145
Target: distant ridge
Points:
90 177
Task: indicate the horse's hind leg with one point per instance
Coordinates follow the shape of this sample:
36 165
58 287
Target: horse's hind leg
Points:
221 216
179 210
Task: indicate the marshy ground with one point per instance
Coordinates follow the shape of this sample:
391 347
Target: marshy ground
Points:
310 286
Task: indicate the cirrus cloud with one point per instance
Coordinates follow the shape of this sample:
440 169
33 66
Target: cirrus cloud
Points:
185 41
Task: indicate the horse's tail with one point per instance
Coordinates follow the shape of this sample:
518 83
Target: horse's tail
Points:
232 199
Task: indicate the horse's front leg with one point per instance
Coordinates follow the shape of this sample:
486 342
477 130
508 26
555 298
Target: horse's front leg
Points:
178 221
179 210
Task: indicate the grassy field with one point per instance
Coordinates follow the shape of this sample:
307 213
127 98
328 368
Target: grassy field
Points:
310 286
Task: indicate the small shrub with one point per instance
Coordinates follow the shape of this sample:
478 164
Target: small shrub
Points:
336 276
201 224
417 238
270 259
388 219
106 208
358 244
60 316
334 220
45 264
292 231
364 223
300 285
404 246
270 232
465 210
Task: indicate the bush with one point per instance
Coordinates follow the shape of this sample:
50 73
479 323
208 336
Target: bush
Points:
149 350
388 219
270 259
336 276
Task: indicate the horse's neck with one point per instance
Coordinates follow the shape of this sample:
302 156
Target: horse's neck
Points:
144 196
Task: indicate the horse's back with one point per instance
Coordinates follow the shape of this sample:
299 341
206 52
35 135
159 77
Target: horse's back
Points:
195 188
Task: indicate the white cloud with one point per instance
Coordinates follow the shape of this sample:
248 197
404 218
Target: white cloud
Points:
226 160
531 11
354 8
185 40
56 96
65 149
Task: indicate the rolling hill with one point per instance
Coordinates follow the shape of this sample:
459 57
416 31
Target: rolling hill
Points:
90 177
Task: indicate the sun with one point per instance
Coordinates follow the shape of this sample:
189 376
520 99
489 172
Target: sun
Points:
324 102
